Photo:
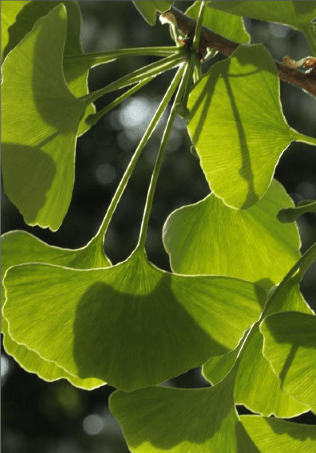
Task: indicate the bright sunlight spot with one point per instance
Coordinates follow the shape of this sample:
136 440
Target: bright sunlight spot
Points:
4 366
93 424
135 113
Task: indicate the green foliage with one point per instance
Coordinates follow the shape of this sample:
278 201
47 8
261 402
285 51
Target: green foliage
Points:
232 303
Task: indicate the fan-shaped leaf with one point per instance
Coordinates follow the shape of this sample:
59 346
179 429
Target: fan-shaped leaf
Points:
19 247
238 127
144 325
157 420
256 385
210 238
40 119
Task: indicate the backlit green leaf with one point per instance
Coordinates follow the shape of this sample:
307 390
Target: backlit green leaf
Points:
271 435
19 247
145 325
290 346
157 420
256 385
9 12
40 119
210 238
225 24
294 13
238 127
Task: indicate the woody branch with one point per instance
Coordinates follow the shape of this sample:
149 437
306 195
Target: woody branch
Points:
210 39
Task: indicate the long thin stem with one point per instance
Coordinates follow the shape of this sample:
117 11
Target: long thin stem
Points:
96 58
120 189
198 28
152 69
162 149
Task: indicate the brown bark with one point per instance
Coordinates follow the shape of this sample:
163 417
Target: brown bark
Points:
303 80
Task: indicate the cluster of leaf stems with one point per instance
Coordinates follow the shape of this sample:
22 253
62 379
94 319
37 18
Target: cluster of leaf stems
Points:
187 61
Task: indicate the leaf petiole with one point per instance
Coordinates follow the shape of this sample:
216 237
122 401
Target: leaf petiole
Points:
182 73
94 118
99 238
150 70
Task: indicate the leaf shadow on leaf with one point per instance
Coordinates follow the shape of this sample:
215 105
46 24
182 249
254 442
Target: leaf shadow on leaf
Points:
51 106
206 97
187 420
24 22
288 362
140 337
33 171
221 71
244 443
301 341
298 431
181 415
245 171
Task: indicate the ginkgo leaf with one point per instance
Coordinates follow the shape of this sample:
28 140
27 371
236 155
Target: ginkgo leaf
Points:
290 347
19 247
160 419
21 17
272 435
225 24
210 238
40 119
296 14
256 385
238 127
145 325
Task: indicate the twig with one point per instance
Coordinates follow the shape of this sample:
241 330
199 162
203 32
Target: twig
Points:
304 81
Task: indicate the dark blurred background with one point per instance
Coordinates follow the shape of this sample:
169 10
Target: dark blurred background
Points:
57 417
